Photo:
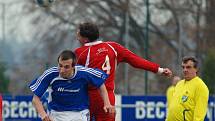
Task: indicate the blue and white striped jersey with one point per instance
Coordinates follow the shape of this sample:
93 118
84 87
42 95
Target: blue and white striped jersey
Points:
68 94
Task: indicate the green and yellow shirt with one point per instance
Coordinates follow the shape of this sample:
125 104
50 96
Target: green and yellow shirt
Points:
189 102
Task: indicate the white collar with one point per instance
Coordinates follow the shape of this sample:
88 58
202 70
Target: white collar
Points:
92 43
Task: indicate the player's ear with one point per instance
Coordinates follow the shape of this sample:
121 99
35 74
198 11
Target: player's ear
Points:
86 41
73 64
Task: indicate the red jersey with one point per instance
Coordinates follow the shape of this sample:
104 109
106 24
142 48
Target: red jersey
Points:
106 56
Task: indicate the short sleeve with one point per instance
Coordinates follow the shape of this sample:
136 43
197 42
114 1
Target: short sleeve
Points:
39 85
96 77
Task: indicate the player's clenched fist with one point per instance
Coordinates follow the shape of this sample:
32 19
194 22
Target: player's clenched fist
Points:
167 72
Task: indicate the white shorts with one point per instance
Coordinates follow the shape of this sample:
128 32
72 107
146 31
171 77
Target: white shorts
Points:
83 115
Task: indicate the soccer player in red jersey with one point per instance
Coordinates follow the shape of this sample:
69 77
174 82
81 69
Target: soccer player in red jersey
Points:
106 56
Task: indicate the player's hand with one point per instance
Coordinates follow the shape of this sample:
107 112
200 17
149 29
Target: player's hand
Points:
46 118
167 72
109 109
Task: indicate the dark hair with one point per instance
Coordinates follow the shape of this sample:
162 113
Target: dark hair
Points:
190 58
66 55
89 30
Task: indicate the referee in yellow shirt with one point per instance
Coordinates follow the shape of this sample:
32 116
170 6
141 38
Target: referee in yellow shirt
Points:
190 98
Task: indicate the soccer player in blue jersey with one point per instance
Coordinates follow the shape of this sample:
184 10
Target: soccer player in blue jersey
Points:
67 85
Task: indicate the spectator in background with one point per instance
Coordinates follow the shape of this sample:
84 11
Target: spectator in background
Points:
171 88
190 98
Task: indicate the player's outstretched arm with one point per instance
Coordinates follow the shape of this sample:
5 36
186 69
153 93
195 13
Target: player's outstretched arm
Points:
108 108
125 55
39 107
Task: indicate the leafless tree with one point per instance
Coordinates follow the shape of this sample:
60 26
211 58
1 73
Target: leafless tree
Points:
175 29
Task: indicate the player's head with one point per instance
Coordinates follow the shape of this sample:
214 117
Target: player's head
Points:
175 80
66 63
190 67
87 32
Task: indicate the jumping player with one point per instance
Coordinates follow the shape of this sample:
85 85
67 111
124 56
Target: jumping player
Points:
106 56
68 90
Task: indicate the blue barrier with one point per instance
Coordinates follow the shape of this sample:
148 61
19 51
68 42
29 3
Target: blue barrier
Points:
153 108
144 108
19 108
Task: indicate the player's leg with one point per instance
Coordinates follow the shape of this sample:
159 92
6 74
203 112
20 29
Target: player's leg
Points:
101 115
93 105
96 106
105 117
